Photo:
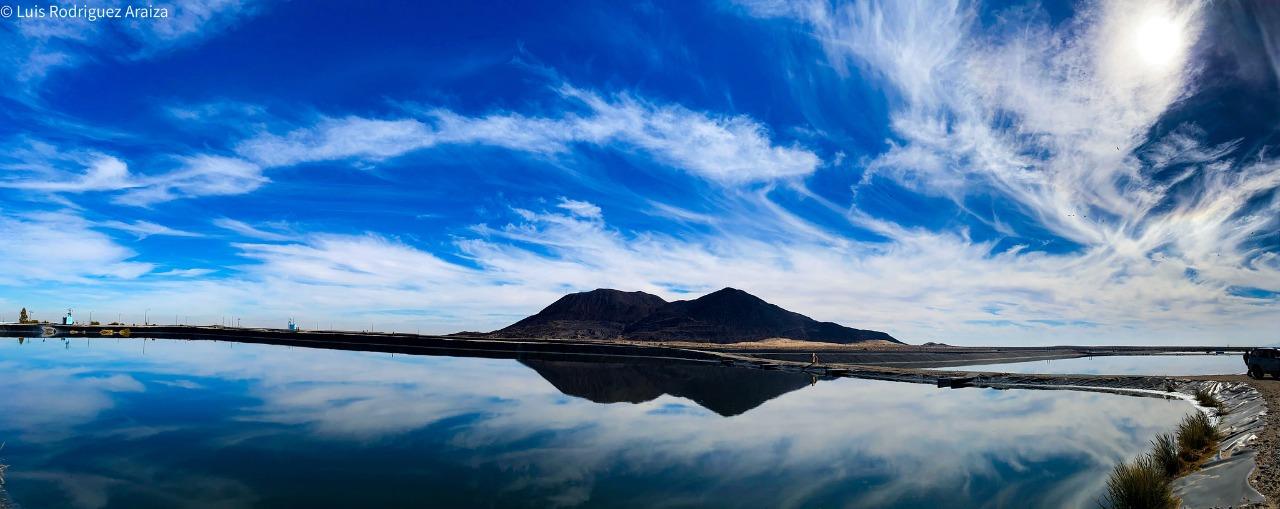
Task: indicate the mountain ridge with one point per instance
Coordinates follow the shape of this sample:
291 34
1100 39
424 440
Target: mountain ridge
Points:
728 315
602 313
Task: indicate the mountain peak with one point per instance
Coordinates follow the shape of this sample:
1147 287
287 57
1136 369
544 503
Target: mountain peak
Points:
601 313
728 315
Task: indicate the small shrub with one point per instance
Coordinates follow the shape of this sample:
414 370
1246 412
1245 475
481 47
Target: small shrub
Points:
1207 399
1195 434
1139 484
1164 452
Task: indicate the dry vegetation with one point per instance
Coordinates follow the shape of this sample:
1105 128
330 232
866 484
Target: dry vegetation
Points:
1208 400
1147 482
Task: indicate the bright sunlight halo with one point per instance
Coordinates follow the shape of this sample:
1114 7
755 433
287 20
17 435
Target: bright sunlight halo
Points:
1158 41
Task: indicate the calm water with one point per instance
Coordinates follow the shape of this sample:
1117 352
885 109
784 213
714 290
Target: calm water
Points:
1174 365
141 424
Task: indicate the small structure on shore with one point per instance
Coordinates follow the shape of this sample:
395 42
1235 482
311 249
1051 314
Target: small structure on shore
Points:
68 320
293 325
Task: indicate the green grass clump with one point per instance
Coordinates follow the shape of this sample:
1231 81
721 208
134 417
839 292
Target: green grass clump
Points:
1195 435
1164 452
1140 484
1207 399
1147 482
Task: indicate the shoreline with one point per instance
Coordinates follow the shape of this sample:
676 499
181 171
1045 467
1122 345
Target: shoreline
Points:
905 356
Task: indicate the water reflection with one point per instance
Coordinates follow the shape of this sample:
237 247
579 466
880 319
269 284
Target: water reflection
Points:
727 392
1173 365
104 424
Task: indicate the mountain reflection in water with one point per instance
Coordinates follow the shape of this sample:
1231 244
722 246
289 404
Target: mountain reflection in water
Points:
110 424
725 391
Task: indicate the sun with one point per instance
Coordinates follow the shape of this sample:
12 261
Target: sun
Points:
1158 40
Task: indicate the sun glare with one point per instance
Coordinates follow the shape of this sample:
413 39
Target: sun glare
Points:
1158 41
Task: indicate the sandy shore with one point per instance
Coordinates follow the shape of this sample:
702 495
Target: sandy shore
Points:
1267 476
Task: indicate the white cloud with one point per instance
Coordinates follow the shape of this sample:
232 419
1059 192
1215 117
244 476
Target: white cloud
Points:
250 231
144 229
37 46
581 208
191 20
339 139
201 175
1060 138
103 173
61 247
1052 119
184 273
918 286
726 149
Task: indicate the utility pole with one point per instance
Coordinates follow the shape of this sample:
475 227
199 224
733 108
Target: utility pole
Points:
144 316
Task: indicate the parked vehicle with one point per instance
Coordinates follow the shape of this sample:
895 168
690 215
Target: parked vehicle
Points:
1262 362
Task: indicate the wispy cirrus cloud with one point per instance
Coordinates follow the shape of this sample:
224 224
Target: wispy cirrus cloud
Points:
250 231
1061 120
920 285
730 149
725 149
61 247
36 46
1112 216
194 176
184 273
144 229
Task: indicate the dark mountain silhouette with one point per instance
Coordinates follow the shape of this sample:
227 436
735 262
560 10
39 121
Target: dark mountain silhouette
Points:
725 316
731 315
597 314
725 391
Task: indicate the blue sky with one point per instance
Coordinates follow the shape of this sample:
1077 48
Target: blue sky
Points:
1018 173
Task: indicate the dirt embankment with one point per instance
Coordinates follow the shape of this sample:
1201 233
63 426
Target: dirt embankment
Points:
1267 477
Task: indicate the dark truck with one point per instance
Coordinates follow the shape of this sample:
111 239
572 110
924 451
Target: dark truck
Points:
1263 362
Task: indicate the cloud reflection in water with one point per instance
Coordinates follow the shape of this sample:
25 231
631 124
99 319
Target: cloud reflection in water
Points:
243 425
